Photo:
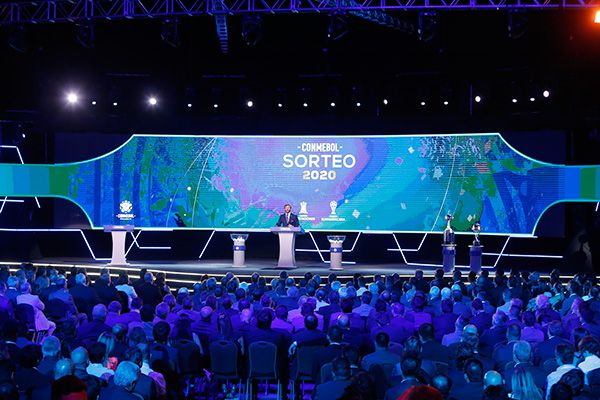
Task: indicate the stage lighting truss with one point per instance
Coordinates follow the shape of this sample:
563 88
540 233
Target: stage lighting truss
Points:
50 11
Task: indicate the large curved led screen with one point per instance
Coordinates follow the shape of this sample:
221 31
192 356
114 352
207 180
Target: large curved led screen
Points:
337 183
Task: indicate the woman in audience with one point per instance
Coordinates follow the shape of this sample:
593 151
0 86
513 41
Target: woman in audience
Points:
523 386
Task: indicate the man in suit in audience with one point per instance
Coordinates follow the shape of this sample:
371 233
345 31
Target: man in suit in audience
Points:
381 355
431 350
503 352
84 296
148 291
493 335
133 315
410 367
523 359
90 331
310 335
104 288
332 308
547 349
473 389
398 329
444 323
480 318
333 350
28 379
341 379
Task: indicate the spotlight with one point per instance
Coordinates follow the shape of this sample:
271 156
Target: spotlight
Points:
217 106
94 102
385 101
249 103
597 18
152 101
422 103
532 99
189 105
477 99
304 104
514 100
115 104
445 102
279 105
72 98
23 135
332 104
358 104
546 93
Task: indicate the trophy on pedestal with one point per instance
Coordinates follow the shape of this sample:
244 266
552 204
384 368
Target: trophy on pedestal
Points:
476 250
448 246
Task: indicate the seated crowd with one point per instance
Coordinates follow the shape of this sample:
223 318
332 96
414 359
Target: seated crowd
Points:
514 336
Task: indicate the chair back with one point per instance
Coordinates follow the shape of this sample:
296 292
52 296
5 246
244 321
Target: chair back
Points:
26 315
223 359
262 359
326 374
305 356
56 309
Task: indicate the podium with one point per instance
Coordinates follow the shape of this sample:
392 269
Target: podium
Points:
335 252
287 240
448 256
119 234
475 253
239 249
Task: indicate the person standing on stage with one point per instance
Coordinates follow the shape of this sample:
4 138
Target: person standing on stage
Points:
287 219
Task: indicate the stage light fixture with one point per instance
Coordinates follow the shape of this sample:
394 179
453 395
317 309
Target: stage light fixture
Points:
445 102
217 106
423 103
332 104
478 99
94 102
546 93
72 98
385 101
152 101
249 104
304 104
279 105
532 99
358 104
514 100
189 105
115 104
597 18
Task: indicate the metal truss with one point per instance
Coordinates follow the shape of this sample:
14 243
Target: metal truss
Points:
50 11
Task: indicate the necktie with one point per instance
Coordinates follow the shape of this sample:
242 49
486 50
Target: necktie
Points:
287 218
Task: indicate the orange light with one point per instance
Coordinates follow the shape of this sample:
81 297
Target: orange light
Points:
597 19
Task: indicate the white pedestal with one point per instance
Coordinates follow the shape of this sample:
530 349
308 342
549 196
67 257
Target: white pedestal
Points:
118 234
239 249
287 240
336 250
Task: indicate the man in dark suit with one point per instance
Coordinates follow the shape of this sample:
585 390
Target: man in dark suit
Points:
80 359
310 335
431 350
84 296
287 219
333 350
444 323
473 389
341 379
332 308
28 379
522 359
104 288
546 349
125 379
145 385
90 331
133 315
148 291
480 318
493 335
503 352
410 370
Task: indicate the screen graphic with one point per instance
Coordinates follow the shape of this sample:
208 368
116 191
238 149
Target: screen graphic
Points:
347 183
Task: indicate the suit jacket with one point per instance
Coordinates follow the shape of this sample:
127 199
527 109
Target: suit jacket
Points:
326 312
394 392
149 293
34 384
85 298
324 356
434 351
144 387
106 293
293 220
398 330
443 324
312 337
90 331
330 390
482 321
128 318
490 337
65 297
115 392
469 391
503 354
41 322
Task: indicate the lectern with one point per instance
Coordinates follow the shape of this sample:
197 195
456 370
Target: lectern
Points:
287 239
118 233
